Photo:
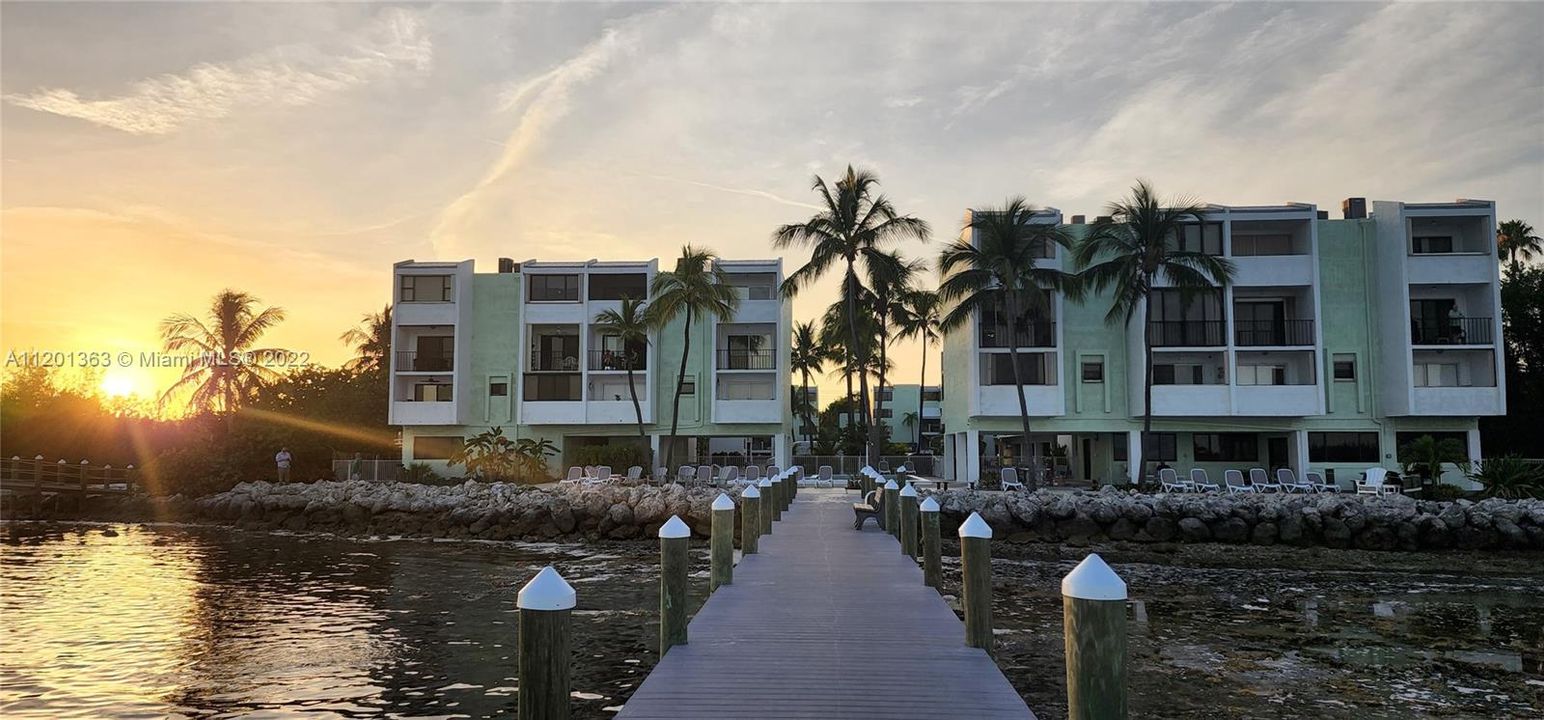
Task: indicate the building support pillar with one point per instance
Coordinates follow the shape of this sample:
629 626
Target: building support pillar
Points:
1133 451
780 453
972 451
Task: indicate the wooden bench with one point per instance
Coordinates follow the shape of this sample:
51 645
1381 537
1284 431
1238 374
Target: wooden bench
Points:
873 506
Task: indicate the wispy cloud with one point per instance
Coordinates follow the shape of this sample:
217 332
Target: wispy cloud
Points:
283 77
749 192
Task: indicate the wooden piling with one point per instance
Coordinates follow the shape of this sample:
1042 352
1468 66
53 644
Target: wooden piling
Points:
908 529
892 508
673 537
932 553
976 581
750 520
1094 625
721 543
768 499
779 491
546 606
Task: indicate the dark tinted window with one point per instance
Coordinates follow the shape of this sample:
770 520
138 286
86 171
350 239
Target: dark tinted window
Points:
1217 447
554 287
1093 371
1347 447
435 447
607 286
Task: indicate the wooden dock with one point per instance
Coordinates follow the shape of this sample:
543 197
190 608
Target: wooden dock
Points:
38 477
826 622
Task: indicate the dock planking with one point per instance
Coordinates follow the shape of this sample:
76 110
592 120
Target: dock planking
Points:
826 622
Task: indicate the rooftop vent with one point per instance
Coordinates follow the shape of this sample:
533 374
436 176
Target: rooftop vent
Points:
1354 208
1324 214
1078 219
507 265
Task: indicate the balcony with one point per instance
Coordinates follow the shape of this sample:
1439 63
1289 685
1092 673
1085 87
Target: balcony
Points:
1040 374
555 362
437 362
1286 333
1186 333
553 387
1452 331
1036 334
734 359
618 360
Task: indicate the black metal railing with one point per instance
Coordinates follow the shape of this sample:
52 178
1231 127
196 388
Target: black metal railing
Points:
1038 334
425 362
1451 331
554 362
1249 333
747 359
618 360
1186 333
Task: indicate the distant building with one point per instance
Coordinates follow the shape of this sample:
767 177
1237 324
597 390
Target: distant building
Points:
901 402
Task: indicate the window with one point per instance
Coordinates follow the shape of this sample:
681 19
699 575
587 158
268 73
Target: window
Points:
1343 447
1162 446
547 387
933 395
1432 374
554 288
1226 447
424 288
1262 244
753 286
615 286
432 392
436 447
1093 371
498 388
745 387
1345 366
1201 238
886 413
1179 374
1431 244
689 387
1262 375
1119 448
1403 439
1033 369
887 394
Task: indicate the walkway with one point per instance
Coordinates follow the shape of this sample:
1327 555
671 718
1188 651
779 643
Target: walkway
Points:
826 622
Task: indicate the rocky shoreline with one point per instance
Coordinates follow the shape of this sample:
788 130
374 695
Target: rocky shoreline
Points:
623 511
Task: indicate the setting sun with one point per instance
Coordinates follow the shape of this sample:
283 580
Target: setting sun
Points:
118 385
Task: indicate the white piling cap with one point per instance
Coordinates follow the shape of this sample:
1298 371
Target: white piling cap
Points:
751 492
867 470
765 482
674 528
890 485
1092 579
908 491
723 502
929 505
975 527
547 591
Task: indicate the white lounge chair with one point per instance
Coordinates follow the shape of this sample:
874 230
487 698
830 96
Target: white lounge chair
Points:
884 466
575 474
1289 482
635 472
1374 483
603 472
589 471
1008 478
774 470
730 474
686 474
826 478
1201 481
753 472
1235 482
1261 481
1319 485
1170 481
661 474
705 474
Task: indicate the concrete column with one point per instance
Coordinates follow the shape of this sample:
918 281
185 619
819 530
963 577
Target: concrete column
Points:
1297 446
659 457
972 452
780 452
1133 451
948 472
1473 437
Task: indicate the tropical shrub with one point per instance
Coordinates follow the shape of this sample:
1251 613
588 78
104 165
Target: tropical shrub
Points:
1510 476
491 457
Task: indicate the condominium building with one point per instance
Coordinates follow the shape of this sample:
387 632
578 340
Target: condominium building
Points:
1337 342
909 409
520 349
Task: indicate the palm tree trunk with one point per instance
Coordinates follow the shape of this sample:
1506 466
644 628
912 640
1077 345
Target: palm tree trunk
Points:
675 411
809 426
861 353
632 390
878 436
921 390
1147 383
1018 384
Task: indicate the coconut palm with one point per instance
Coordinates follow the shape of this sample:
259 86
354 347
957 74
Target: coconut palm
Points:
630 323
853 226
1516 240
225 367
920 320
1000 273
807 357
695 288
371 340
1130 251
890 278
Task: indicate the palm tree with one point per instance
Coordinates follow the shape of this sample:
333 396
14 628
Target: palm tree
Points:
1516 239
1130 251
225 369
1000 273
807 357
920 320
371 340
850 229
630 323
890 278
695 288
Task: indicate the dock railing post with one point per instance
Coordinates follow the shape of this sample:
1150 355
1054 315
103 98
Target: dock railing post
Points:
673 536
768 500
892 508
546 604
909 521
932 554
750 520
779 493
721 543
976 581
1094 624
787 480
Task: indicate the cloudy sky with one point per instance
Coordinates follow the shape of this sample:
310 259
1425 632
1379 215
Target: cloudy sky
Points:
156 153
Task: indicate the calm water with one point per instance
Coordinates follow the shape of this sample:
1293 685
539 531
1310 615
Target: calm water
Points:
208 622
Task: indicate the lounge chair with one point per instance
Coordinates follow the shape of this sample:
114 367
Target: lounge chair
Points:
589 471
603 472
1235 482
730 474
1262 481
575 474
1009 479
884 466
686 474
1169 480
1289 482
873 506
1374 482
1319 485
753 472
661 474
635 472
705 474
1201 481
773 469
825 479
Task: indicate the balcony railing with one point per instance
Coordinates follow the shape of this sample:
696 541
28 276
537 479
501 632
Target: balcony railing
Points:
747 359
1185 333
1030 335
425 362
618 359
553 387
1250 333
1452 331
554 362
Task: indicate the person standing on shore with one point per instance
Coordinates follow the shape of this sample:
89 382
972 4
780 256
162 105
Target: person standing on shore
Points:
354 466
283 461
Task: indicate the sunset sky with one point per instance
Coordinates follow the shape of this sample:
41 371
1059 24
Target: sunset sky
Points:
154 154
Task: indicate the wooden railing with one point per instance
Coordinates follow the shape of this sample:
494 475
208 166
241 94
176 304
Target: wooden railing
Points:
39 475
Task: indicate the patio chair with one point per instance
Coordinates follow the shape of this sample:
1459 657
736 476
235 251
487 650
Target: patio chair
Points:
1316 480
1169 480
575 474
661 474
1289 482
753 472
884 466
826 478
635 472
730 474
603 472
1235 482
1201 481
773 469
686 474
1374 482
706 474
1009 479
589 471
1261 481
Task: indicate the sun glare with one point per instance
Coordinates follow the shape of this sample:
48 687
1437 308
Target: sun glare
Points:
118 385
